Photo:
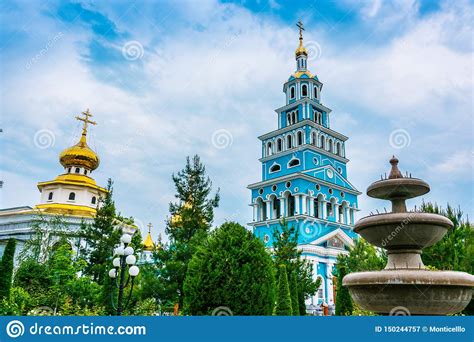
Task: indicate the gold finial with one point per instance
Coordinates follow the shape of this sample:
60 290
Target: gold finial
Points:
86 121
148 244
300 50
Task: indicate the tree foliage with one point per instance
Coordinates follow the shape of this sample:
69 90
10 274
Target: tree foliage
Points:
188 226
283 305
286 252
231 269
6 269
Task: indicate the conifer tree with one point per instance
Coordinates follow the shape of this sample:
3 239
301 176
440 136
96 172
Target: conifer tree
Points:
189 224
295 307
344 305
283 304
6 269
101 238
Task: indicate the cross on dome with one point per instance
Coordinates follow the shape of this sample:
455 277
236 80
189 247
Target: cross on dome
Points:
86 120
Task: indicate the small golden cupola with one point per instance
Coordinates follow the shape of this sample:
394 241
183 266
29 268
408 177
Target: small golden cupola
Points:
148 244
81 155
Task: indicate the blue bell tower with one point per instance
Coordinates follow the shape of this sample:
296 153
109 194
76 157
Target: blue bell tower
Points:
304 179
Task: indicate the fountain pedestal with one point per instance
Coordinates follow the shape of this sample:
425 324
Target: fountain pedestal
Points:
405 282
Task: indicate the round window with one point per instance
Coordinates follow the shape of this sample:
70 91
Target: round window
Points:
274 188
342 194
288 184
339 170
330 173
260 191
266 238
318 187
315 161
330 191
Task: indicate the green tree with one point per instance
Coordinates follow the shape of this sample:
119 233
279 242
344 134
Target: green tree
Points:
455 251
286 252
344 306
231 269
362 257
283 305
34 278
295 306
188 227
6 269
101 237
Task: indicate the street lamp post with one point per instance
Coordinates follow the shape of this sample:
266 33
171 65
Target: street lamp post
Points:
124 259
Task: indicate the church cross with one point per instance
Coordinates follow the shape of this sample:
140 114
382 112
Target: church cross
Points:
149 227
86 121
301 28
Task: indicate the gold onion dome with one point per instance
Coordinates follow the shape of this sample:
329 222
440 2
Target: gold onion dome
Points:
81 154
301 50
148 244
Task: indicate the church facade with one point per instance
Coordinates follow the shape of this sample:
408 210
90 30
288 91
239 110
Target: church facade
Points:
304 179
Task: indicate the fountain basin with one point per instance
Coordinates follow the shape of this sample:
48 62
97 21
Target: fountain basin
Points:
409 230
398 188
418 292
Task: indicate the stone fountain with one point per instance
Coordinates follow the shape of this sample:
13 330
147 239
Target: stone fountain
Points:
406 286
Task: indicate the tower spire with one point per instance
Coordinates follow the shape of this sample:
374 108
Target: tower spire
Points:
301 54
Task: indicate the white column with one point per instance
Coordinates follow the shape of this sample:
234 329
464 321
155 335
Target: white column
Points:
269 212
324 210
311 206
336 212
304 209
254 212
329 284
282 206
297 204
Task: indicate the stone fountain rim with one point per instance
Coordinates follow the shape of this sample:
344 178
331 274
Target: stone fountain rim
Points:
398 182
406 277
398 218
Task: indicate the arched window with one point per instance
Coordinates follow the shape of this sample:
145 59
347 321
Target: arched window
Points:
279 145
50 196
294 162
313 138
316 207
304 90
269 149
93 200
85 172
330 145
315 90
299 138
329 209
69 170
289 142
292 92
78 170
275 168
321 142
290 205
276 208
72 196
294 117
338 148
288 119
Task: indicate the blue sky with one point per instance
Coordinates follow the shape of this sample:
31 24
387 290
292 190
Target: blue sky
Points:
165 78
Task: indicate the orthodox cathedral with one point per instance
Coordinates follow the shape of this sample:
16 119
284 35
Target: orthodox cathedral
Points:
73 196
304 179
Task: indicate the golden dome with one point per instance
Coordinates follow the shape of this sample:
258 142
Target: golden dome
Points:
81 154
301 50
148 243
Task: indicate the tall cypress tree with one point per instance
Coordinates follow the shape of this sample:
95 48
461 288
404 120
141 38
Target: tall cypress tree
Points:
101 238
188 226
294 294
6 269
344 305
283 304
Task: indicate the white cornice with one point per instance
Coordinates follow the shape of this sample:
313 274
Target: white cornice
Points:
303 101
301 148
300 124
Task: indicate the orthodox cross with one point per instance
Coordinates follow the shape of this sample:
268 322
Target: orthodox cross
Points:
86 121
301 28
149 227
